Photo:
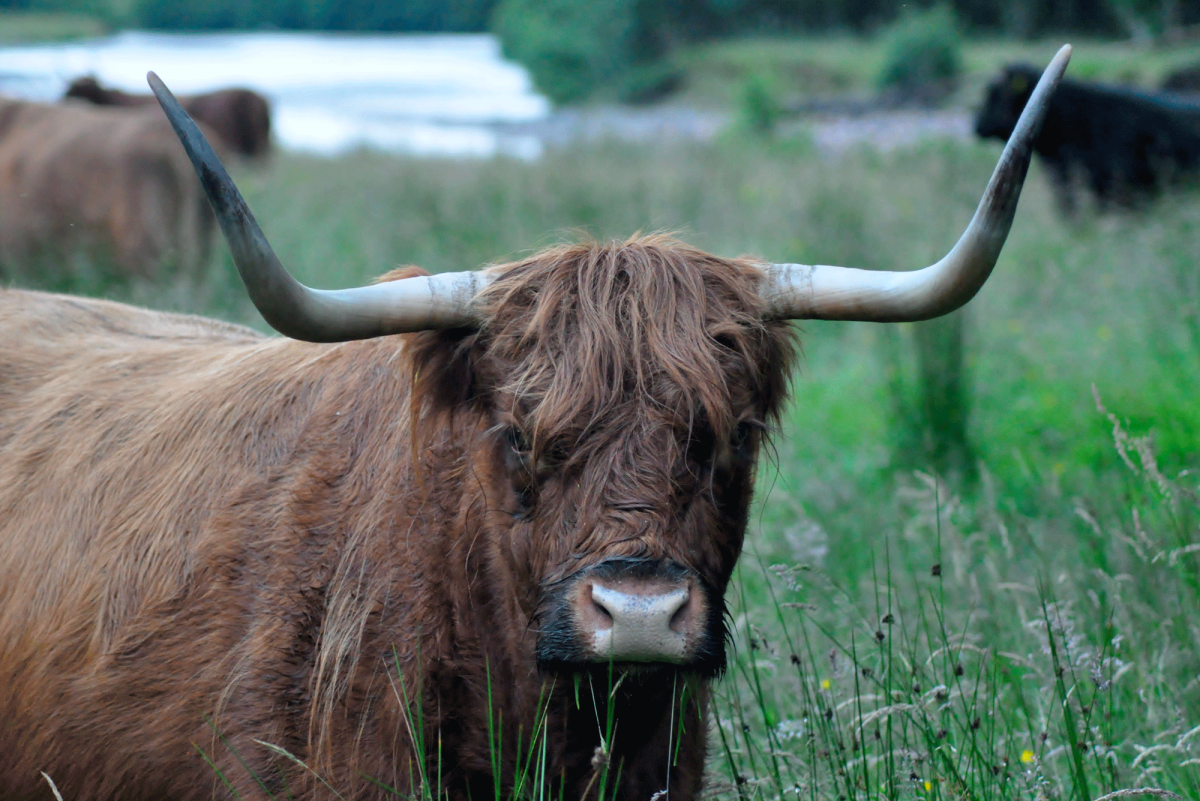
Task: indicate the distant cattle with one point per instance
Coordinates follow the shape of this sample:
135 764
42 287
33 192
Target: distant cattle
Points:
486 558
1125 145
241 118
108 185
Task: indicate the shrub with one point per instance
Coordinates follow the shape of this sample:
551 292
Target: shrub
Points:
922 48
569 48
760 108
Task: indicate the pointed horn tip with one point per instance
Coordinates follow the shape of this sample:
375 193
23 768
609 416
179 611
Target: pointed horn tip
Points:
157 86
1058 64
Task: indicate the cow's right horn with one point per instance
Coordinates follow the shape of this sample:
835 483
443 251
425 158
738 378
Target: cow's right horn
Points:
818 292
316 315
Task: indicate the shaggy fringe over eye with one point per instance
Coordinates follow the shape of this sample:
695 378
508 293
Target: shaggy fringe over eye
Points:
592 333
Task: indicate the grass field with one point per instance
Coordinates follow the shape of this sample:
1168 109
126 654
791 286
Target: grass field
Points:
22 27
802 68
1031 634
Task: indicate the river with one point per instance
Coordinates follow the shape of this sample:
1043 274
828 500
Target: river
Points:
425 94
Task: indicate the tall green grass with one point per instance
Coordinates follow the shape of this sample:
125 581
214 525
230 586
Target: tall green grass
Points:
978 653
1031 635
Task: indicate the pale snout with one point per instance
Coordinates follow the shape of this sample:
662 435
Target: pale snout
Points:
639 619
633 614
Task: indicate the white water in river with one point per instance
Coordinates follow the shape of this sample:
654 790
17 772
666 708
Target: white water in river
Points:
427 94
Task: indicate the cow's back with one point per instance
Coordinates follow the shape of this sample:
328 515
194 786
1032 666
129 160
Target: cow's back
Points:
94 432
141 455
107 182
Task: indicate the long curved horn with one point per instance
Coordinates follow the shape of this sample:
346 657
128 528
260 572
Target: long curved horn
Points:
316 315
819 292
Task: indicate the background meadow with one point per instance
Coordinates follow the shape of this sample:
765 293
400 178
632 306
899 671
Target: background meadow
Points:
973 567
1027 628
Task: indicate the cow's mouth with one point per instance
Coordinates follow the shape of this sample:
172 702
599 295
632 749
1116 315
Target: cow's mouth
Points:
635 616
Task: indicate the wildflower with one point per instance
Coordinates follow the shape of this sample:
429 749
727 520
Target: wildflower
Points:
824 684
1026 756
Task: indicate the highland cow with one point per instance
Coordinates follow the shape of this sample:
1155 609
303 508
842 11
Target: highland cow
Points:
241 118
1125 145
466 534
110 186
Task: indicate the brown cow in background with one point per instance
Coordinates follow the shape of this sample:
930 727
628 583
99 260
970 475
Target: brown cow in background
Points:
106 184
240 117
489 553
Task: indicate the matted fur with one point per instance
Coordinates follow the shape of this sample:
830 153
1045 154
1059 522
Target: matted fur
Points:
203 530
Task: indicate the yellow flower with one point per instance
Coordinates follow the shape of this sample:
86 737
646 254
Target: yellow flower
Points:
824 684
1026 756
928 787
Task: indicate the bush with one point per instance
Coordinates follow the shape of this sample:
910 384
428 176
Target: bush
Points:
923 49
759 107
569 48
573 48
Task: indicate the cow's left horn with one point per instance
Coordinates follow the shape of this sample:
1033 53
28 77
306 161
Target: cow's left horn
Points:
802 291
316 315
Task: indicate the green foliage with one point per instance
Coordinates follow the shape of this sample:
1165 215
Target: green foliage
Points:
663 25
978 655
760 108
569 48
1148 19
930 397
921 48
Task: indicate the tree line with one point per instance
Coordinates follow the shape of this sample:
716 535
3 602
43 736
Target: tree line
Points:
656 24
320 15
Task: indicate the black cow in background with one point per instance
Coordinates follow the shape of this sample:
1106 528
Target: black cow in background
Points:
1184 81
1124 144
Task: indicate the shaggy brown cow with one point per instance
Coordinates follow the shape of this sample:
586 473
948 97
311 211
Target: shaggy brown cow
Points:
108 184
241 118
486 559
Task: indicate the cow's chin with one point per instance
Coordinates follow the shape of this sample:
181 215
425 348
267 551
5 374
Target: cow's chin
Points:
632 617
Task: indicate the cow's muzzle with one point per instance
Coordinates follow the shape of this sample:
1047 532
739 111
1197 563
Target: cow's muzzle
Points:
632 612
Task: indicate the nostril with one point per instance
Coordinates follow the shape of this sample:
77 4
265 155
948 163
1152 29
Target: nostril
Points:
682 617
602 610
